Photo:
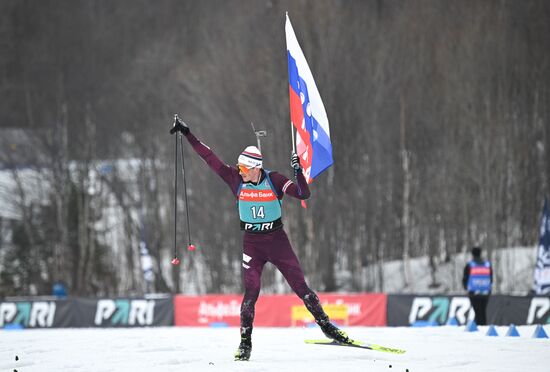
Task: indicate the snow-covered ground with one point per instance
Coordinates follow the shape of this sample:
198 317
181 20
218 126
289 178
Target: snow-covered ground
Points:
438 349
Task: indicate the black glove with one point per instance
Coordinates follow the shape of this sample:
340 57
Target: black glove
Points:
179 126
295 163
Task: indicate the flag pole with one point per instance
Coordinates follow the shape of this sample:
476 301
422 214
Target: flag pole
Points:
293 140
291 125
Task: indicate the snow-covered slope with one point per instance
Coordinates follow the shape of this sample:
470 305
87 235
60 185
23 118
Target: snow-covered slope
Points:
432 349
513 273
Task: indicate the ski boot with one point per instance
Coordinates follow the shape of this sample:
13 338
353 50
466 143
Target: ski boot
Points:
245 347
333 332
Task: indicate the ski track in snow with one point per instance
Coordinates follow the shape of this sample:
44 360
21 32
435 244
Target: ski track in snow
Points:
429 349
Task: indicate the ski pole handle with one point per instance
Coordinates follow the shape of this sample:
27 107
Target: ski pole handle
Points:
179 126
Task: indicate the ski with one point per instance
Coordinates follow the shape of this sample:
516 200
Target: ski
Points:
359 344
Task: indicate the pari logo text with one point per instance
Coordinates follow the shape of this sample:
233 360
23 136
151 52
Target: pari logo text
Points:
38 314
266 226
539 311
440 309
125 312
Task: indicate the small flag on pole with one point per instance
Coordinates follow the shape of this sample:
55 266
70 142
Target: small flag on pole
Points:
307 112
542 267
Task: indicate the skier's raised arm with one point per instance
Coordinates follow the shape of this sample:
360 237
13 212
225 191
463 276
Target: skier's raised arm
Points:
229 174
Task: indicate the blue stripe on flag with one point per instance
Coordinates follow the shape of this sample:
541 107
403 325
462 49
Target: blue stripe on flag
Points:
293 73
322 152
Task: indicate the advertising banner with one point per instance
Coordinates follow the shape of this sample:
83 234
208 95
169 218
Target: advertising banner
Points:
125 312
405 310
505 310
368 309
82 312
35 313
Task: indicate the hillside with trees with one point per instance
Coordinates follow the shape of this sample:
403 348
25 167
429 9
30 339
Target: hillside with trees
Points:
439 114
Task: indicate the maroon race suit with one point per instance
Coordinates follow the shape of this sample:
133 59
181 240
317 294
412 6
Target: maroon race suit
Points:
259 248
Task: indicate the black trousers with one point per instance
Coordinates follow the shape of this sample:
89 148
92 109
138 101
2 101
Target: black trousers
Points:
479 303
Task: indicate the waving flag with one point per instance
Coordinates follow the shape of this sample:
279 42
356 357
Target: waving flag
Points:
307 111
542 267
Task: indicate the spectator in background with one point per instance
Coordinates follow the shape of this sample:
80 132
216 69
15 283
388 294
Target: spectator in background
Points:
59 290
478 280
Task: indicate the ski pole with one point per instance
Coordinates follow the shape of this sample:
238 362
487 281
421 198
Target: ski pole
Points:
175 260
190 246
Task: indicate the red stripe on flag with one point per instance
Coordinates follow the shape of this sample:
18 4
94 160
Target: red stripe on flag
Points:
297 118
296 112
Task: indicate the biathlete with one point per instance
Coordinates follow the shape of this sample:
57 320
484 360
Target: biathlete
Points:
259 195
